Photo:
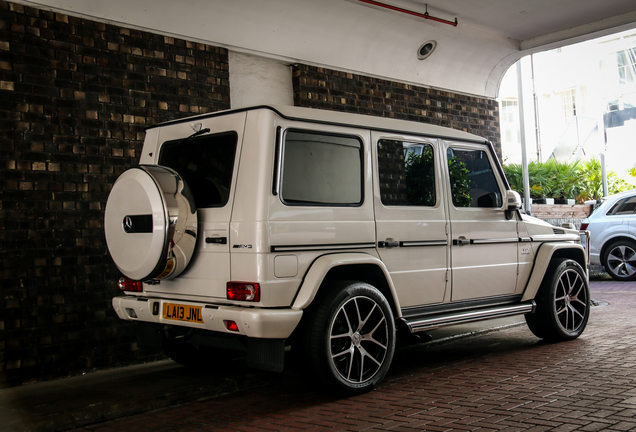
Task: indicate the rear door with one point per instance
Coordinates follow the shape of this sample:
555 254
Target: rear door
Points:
321 202
623 212
208 163
411 217
484 241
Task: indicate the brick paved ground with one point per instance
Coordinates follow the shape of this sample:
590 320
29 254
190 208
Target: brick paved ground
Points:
501 381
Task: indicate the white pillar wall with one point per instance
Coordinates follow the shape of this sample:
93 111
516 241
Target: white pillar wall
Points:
259 81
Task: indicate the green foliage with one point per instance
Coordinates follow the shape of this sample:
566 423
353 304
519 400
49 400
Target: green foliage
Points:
460 185
594 181
552 179
420 178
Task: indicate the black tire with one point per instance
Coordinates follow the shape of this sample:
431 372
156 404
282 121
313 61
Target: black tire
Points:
619 260
349 338
563 302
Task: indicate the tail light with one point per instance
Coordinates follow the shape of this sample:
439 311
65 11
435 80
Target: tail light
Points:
584 226
125 284
244 291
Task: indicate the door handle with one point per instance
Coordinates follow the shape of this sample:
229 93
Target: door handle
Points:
461 241
389 243
216 240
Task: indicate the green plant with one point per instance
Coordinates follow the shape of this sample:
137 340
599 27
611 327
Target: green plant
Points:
420 178
564 180
460 185
593 184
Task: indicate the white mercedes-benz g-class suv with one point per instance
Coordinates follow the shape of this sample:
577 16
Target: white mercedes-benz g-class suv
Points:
260 228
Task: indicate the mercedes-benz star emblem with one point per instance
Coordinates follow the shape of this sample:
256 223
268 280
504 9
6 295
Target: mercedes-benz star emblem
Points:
127 224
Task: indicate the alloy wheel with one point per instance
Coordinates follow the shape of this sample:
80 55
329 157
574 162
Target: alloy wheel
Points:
571 300
622 261
358 338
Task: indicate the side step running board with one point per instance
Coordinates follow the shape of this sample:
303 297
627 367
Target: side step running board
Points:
430 322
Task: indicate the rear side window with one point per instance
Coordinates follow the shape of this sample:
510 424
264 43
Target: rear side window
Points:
407 173
206 163
321 169
625 206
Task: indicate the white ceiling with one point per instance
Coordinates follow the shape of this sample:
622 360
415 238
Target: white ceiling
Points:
352 36
528 20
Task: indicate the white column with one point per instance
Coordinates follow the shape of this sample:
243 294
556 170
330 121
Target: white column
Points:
259 81
524 156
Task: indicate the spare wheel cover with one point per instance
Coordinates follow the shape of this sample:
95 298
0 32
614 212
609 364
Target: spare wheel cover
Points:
150 223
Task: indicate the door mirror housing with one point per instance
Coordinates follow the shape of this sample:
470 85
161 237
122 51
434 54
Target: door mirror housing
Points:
513 200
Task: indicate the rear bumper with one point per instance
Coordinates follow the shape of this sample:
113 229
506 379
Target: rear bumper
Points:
595 259
251 322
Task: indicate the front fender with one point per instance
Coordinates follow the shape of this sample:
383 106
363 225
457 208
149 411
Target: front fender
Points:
321 267
546 252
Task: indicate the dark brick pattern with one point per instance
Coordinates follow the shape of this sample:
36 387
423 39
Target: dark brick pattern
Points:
75 98
391 172
316 87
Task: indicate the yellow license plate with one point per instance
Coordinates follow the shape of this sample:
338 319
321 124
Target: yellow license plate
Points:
179 312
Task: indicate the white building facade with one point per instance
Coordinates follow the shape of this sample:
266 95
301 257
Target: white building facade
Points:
567 94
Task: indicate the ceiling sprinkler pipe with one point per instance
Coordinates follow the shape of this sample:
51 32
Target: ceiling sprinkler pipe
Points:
406 11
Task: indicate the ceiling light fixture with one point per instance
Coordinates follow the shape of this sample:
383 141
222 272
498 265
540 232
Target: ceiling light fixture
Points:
426 49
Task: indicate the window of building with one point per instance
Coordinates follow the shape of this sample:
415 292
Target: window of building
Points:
626 61
573 102
568 103
510 131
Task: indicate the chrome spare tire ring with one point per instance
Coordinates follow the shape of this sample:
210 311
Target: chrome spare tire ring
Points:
150 223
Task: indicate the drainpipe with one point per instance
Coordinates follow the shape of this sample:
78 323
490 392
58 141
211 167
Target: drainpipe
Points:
604 174
527 205
537 129
601 136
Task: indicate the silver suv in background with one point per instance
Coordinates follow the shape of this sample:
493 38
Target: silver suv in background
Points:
612 228
265 228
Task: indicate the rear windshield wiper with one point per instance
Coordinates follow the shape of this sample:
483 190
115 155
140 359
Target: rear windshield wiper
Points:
197 133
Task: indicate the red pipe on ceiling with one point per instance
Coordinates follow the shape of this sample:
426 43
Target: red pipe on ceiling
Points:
406 11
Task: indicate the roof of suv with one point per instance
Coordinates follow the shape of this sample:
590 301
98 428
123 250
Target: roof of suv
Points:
347 119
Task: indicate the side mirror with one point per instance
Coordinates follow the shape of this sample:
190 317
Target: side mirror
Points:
513 200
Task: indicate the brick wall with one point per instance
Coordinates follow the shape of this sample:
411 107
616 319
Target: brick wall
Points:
333 90
75 98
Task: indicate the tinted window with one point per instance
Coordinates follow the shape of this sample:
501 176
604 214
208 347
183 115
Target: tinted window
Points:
625 206
320 169
206 163
407 173
473 182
